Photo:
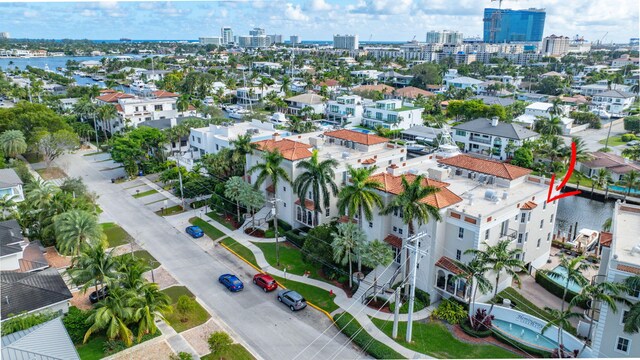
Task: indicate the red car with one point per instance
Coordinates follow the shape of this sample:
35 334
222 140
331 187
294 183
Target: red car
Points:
265 281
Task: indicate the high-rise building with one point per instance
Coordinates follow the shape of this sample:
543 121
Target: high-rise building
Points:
506 25
347 42
632 41
214 40
257 32
294 39
444 37
4 35
275 39
555 45
227 35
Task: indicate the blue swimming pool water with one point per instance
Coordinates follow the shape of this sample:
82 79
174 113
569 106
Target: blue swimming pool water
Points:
526 335
563 280
623 189
364 131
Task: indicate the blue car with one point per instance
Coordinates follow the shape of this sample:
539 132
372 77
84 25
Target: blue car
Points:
195 232
231 282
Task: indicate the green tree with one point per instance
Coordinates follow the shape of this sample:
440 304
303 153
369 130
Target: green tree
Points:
523 157
630 180
349 239
317 176
75 229
8 207
548 126
112 314
183 103
551 85
574 267
106 113
219 343
602 178
54 145
94 267
561 319
233 189
410 203
13 143
632 320
632 152
242 147
632 124
426 74
150 304
474 275
185 306
376 253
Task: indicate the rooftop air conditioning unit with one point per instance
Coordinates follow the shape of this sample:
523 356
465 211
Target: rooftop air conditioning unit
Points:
345 155
458 172
505 195
491 195
491 179
482 178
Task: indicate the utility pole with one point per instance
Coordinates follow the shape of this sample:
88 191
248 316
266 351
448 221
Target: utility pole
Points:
412 244
274 211
180 178
396 313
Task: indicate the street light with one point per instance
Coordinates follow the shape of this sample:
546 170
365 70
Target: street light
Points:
274 211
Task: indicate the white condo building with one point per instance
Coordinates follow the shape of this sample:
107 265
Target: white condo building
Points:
294 39
391 114
227 35
346 42
444 37
555 45
346 109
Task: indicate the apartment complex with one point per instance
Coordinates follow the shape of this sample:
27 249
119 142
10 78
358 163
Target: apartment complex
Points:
346 109
215 40
391 114
227 35
555 45
213 138
346 42
620 260
444 37
294 39
506 25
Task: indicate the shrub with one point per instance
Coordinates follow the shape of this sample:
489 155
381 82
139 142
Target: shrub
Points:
219 342
481 321
423 296
295 238
23 322
404 309
350 327
450 312
632 124
466 327
185 306
181 356
76 323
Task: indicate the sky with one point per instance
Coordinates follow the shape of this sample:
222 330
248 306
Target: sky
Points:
378 20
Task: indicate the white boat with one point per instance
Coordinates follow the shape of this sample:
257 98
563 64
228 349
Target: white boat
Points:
278 118
414 146
585 239
140 87
239 114
600 111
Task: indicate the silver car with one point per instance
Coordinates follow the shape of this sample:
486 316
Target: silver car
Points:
292 299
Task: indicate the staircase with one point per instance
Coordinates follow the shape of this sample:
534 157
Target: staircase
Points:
261 219
386 277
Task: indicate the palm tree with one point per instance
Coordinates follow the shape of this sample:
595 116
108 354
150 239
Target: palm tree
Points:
40 193
94 266
131 270
7 207
632 320
582 153
286 83
106 113
359 196
602 178
549 126
242 147
377 253
271 168
632 152
74 229
561 319
113 313
499 258
474 275
317 176
574 268
630 180
12 143
346 241
182 103
151 303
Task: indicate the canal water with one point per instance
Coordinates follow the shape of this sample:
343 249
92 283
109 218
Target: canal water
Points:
590 214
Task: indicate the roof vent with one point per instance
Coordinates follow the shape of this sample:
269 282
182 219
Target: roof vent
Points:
345 155
491 195
635 250
494 121
505 195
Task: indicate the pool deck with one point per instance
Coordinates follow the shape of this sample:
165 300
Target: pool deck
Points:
555 261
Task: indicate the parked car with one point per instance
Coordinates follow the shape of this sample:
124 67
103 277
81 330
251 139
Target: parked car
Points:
96 296
195 231
265 281
292 299
231 282
633 143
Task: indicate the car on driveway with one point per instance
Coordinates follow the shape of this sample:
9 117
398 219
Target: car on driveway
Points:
292 299
265 281
195 231
231 282
633 143
96 296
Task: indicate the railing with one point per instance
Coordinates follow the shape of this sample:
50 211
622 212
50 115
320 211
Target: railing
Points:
480 140
510 234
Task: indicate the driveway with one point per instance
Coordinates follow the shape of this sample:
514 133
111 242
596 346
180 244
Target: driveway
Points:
592 137
268 329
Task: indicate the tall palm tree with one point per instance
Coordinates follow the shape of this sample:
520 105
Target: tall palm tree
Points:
582 153
131 270
574 268
348 240
270 169
182 103
151 303
632 320
94 266
12 143
40 193
243 146
561 319
286 83
630 180
602 178
359 196
473 273
499 258
106 113
549 126
632 152
317 176
113 313
75 229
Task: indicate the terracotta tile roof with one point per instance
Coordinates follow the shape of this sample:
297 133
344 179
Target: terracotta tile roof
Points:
369 161
271 189
441 199
290 150
191 107
449 265
114 97
308 204
606 238
107 91
413 92
529 205
356 136
380 87
629 269
394 241
329 83
164 94
490 167
345 219
119 108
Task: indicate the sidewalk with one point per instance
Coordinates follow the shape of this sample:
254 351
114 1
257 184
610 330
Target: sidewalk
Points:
176 341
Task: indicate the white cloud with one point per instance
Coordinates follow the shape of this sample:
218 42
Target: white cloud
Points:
319 5
30 14
294 12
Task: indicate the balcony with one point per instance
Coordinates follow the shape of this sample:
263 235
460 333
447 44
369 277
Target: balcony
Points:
480 140
510 234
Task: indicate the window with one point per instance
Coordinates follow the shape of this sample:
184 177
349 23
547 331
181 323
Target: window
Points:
284 188
395 229
400 231
518 256
529 218
327 211
458 255
486 235
460 233
157 107
461 133
538 244
199 141
516 217
544 205
622 345
548 237
520 238
137 109
284 204
541 224
173 106
370 224
523 218
395 212
217 147
625 313
551 219
526 237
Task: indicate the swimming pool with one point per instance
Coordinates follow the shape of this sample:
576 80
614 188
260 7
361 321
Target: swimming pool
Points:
364 131
573 286
623 189
525 335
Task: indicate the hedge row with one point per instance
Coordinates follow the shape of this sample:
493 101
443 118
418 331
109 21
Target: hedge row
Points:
292 236
466 327
556 289
368 343
518 345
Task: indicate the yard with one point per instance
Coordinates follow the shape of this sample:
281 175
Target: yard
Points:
240 250
234 352
226 221
434 339
613 141
144 254
192 319
177 209
51 173
290 257
95 349
116 235
144 193
319 297
208 229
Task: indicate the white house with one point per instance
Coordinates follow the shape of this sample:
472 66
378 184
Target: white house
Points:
491 137
213 138
625 60
391 114
253 95
298 102
601 86
453 79
613 101
346 109
11 185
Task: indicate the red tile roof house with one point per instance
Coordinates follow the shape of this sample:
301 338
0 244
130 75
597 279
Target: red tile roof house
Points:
615 164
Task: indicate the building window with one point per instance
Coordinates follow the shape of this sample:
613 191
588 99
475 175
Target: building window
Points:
217 147
486 235
199 141
544 205
400 231
327 211
538 244
523 218
395 212
518 256
157 107
458 255
395 229
520 238
622 345
370 224
526 237
529 218
284 188
460 233
551 219
516 217
284 204
625 313
541 224
548 237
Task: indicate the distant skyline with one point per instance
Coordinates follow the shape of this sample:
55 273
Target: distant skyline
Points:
378 20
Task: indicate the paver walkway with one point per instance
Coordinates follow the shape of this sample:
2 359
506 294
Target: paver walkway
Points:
176 341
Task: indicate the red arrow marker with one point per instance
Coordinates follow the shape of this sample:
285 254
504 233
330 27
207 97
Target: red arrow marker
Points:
572 165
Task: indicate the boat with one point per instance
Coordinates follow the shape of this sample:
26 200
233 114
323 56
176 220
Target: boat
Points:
140 87
602 112
239 114
414 146
278 118
586 239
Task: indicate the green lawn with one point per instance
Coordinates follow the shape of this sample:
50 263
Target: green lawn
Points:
92 350
176 209
613 141
144 254
290 257
235 352
145 193
434 339
208 229
213 215
197 317
319 297
241 250
32 158
115 234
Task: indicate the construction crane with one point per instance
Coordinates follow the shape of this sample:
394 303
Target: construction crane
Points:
496 18
414 38
602 39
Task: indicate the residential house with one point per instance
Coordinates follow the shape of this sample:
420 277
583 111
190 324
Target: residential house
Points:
11 185
613 101
331 85
298 102
46 341
625 60
617 166
33 292
252 95
395 78
346 109
491 137
411 93
453 80
422 134
366 75
619 261
391 114
600 87
17 253
494 100
532 97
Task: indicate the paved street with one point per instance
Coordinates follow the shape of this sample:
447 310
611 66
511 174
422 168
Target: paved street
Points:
592 136
267 328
